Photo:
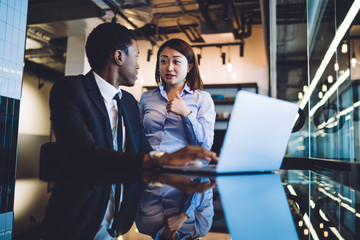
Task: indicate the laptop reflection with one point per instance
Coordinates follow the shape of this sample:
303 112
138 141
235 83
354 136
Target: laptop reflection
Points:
256 207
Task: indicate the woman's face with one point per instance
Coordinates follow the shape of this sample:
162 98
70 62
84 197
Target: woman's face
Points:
173 67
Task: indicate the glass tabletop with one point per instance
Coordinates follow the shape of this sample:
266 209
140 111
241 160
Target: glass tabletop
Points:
288 204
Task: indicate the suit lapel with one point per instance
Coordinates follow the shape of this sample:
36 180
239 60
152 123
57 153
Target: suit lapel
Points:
96 97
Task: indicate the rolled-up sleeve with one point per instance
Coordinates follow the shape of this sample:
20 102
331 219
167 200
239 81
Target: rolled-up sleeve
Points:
199 126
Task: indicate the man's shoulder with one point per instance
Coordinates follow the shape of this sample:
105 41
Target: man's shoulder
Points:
128 96
70 83
71 80
68 86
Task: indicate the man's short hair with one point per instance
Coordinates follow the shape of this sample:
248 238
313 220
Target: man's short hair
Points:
104 40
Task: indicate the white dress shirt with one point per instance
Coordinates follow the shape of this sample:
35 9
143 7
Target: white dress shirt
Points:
108 92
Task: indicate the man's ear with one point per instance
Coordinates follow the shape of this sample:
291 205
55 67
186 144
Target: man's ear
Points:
118 57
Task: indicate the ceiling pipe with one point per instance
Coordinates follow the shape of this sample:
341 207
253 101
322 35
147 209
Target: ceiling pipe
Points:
181 6
215 45
42 71
204 10
135 5
227 9
243 23
115 8
191 32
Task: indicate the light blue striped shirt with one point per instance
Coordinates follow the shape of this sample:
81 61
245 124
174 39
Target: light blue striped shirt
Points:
169 132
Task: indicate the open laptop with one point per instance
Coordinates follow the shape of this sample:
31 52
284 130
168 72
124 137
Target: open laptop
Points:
256 138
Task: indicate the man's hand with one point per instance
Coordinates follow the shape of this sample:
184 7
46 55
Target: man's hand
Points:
185 183
187 154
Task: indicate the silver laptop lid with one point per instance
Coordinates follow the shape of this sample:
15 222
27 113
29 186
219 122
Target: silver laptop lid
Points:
257 135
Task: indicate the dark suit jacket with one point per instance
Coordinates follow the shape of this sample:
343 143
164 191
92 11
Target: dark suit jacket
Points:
89 165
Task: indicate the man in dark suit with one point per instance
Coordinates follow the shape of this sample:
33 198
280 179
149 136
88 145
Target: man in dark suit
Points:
103 153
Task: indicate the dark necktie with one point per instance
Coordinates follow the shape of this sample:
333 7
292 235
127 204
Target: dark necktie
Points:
113 230
119 126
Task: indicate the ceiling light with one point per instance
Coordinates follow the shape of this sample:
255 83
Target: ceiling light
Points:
114 19
40 84
324 88
330 79
241 45
353 60
149 53
223 57
305 88
344 48
320 95
336 66
199 56
300 95
229 67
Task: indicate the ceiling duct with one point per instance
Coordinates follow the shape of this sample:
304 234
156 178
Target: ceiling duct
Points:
134 13
216 15
243 23
130 13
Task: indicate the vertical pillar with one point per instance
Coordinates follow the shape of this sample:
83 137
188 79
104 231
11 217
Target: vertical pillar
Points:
13 14
273 50
76 61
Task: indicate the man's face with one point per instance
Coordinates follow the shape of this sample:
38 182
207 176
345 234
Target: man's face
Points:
129 69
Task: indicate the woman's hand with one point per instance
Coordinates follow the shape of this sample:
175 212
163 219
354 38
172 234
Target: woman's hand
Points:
178 106
175 222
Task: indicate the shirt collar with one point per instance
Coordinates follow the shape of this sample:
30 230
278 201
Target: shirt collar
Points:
185 89
107 90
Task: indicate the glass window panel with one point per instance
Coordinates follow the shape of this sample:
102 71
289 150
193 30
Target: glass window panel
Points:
10 16
16 19
24 6
3 12
331 128
8 33
2 30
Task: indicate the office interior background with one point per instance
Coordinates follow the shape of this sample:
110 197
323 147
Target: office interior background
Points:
300 51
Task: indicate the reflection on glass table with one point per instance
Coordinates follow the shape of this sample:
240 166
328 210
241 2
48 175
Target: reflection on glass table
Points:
255 207
302 205
321 207
167 213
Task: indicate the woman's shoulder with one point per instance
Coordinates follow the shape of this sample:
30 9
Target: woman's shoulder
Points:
204 94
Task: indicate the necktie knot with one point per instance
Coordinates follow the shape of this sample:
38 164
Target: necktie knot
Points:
117 98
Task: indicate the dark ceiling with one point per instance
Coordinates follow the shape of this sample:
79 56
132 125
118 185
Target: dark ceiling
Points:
50 22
